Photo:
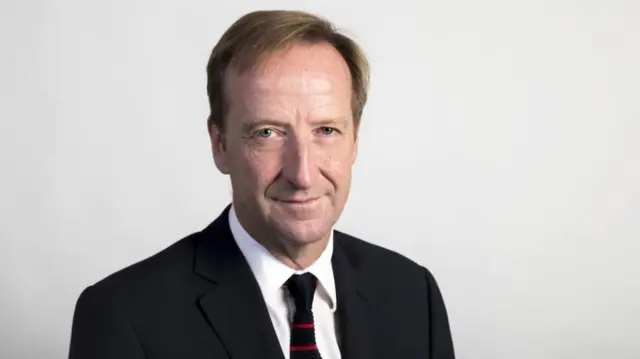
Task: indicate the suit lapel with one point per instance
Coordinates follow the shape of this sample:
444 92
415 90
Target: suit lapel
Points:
354 309
234 307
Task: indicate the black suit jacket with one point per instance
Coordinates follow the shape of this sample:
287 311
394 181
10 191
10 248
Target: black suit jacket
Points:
198 299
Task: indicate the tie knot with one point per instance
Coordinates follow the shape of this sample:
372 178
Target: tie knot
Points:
302 288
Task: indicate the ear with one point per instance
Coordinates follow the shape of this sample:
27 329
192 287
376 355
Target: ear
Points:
356 142
218 149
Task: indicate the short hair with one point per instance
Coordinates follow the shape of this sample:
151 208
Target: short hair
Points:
254 36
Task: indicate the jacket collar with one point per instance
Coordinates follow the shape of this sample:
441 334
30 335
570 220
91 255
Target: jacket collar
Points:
236 310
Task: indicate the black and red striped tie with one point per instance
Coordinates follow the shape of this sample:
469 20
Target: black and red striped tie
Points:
303 339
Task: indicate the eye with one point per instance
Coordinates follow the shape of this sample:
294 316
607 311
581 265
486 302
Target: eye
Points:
327 131
264 133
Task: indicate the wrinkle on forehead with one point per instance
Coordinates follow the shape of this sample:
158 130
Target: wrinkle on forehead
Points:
308 82
304 78
302 60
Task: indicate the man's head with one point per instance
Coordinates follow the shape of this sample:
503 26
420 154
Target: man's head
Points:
286 93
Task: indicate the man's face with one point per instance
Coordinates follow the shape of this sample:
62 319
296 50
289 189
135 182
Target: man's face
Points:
289 143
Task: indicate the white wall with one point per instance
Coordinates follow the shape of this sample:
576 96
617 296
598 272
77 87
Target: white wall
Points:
499 149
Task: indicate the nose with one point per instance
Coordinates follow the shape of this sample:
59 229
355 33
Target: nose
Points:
299 167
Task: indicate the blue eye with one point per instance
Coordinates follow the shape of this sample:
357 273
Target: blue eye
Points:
266 132
327 130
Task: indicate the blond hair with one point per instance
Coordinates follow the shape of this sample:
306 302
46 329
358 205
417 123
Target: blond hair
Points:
251 38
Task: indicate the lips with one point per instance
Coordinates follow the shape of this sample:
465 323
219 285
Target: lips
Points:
298 200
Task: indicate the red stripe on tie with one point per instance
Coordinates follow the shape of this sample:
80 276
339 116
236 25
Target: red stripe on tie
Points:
300 348
303 326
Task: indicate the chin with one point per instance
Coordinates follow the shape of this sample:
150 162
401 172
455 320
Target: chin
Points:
303 231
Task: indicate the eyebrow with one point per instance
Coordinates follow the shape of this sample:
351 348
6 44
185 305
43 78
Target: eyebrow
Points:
332 121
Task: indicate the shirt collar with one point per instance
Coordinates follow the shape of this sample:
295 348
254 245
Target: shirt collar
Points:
272 274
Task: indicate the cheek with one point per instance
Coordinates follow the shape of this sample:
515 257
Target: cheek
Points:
337 167
257 169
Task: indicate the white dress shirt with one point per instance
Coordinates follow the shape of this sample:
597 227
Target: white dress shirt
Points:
272 274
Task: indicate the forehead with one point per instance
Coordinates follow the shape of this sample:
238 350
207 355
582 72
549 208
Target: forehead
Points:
313 72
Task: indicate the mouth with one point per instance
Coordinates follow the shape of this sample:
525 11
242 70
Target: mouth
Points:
299 208
298 200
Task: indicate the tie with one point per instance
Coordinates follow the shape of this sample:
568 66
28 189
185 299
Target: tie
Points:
303 339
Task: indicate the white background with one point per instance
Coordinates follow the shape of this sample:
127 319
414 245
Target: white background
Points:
500 149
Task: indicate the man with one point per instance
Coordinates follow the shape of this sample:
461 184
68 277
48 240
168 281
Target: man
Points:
270 278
